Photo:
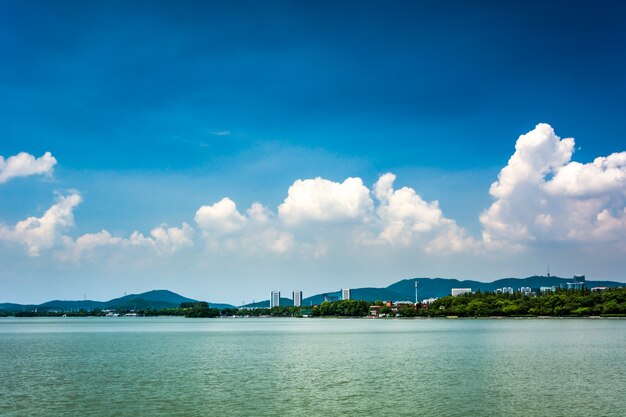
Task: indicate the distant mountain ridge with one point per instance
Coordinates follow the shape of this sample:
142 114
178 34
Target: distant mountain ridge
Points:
439 287
401 290
404 290
153 300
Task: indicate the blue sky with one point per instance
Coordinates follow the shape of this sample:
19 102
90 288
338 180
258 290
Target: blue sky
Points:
154 109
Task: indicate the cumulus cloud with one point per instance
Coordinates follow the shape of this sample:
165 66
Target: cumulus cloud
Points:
24 164
221 217
40 233
37 234
537 153
402 218
406 217
165 239
162 239
259 213
86 244
225 228
605 175
542 195
322 200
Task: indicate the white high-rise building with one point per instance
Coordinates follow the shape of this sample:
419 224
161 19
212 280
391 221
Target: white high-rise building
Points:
297 298
345 293
275 299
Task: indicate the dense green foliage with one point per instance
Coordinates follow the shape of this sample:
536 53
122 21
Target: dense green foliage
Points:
283 311
559 303
194 309
199 309
343 308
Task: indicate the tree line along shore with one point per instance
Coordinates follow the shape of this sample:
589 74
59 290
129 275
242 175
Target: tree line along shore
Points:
610 302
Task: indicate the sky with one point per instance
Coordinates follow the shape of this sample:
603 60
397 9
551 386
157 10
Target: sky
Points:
226 149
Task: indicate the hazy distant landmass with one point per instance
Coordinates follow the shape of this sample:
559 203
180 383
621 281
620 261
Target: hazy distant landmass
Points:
152 300
398 291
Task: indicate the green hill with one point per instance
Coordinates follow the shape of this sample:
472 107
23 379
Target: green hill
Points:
155 299
439 287
152 300
404 290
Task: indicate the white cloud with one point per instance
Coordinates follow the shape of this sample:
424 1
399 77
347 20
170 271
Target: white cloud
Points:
451 238
165 239
337 229
86 244
537 153
40 233
402 218
162 239
322 200
259 213
604 175
224 227
403 212
24 164
406 217
543 196
262 240
221 217
172 239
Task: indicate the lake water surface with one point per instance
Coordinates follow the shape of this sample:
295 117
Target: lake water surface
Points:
296 367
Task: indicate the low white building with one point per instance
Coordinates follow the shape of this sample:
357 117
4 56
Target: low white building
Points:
526 290
459 291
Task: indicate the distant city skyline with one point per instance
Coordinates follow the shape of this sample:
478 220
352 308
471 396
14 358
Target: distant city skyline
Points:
217 149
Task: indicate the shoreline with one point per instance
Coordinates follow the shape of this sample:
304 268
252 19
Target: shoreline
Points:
332 317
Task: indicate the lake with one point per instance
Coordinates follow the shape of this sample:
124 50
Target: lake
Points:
171 366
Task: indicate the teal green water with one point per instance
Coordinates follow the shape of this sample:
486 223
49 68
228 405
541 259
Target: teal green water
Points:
313 367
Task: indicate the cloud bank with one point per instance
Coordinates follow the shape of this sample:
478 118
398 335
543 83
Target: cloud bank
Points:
163 240
38 234
540 196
